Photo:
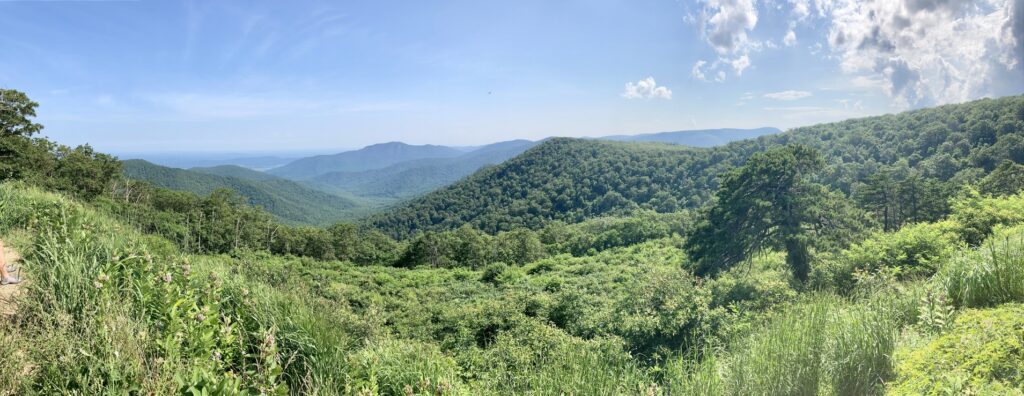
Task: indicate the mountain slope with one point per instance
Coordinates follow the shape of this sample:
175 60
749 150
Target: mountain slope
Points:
236 172
371 157
572 179
288 200
411 178
697 138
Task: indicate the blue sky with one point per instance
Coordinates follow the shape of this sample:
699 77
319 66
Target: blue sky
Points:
138 76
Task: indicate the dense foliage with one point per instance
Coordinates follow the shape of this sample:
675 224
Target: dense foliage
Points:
901 167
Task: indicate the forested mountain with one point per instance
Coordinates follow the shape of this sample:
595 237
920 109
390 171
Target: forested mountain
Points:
235 171
371 157
411 178
189 160
901 167
697 138
288 200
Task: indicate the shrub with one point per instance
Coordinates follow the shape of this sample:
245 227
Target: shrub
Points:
916 250
401 367
981 354
976 215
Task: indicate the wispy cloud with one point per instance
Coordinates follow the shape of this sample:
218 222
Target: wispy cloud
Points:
787 95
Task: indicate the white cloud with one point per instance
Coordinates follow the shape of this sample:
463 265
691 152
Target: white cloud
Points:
790 38
727 22
698 70
926 52
787 95
801 8
725 25
646 88
740 63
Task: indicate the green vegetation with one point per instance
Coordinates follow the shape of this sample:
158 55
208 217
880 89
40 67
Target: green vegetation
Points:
289 201
143 290
927 154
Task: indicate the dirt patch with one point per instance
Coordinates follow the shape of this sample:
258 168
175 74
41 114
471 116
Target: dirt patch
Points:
9 293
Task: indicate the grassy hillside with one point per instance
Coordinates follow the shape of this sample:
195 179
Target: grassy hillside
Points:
371 157
697 138
411 178
919 154
288 200
111 311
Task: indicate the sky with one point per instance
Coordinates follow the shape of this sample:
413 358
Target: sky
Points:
275 76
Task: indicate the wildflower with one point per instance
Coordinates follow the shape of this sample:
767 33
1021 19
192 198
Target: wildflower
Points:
103 278
167 277
200 317
213 276
185 269
97 284
216 356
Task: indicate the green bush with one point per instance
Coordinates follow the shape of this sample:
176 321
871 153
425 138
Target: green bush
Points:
916 250
402 367
982 354
976 215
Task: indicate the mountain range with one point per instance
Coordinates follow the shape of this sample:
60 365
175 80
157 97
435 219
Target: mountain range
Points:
326 188
290 201
572 180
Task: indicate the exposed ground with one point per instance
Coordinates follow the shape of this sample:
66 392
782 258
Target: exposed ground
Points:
9 293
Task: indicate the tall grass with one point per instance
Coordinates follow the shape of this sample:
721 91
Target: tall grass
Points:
786 357
989 275
822 345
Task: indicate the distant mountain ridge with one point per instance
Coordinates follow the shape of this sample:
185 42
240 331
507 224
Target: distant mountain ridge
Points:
411 178
288 200
370 157
697 138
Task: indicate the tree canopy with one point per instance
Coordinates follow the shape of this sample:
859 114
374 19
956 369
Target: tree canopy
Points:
767 203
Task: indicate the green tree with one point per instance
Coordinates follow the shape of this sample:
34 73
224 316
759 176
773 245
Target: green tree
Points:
16 113
1006 179
767 203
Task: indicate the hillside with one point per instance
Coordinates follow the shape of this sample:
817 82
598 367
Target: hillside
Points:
572 179
371 157
236 172
288 200
411 178
697 138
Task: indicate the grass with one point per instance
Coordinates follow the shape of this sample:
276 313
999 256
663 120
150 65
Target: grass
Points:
989 275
